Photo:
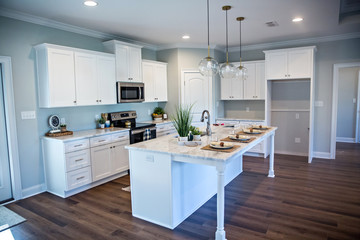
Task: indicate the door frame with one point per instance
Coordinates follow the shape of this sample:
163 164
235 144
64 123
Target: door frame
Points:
335 93
211 93
357 127
11 130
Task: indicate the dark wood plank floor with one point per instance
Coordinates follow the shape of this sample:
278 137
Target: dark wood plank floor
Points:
304 201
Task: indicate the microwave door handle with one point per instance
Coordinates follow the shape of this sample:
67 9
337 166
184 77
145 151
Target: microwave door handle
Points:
139 92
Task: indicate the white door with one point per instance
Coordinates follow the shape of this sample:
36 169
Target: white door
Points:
106 80
5 182
196 92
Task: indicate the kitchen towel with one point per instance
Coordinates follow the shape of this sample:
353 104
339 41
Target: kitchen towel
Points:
147 134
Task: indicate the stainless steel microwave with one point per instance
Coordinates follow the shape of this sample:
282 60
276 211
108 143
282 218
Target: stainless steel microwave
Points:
130 92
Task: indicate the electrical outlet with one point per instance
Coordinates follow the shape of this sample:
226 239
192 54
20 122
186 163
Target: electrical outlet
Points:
28 115
297 140
297 116
97 117
247 109
149 112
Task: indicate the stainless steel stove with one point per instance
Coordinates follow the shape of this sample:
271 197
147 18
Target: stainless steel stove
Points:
137 130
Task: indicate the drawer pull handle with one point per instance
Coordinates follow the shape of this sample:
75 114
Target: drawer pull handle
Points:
77 160
79 145
80 178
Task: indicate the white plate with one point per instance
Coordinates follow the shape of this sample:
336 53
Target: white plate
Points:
216 145
253 132
241 137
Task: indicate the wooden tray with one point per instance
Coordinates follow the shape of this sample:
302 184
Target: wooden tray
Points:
229 150
59 134
227 139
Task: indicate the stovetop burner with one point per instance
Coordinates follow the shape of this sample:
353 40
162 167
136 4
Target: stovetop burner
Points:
120 118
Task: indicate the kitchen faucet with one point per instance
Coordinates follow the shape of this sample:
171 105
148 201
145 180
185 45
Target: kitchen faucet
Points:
208 128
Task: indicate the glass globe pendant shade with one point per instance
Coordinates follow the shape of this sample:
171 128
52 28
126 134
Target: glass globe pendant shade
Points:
208 66
227 70
241 73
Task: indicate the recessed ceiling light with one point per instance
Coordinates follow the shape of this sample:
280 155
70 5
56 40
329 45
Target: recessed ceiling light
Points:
90 3
186 37
298 19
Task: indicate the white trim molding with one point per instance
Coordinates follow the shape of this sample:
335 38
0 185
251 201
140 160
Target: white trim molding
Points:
325 155
335 104
34 190
11 126
345 139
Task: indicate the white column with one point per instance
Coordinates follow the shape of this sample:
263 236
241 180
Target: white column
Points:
220 232
271 160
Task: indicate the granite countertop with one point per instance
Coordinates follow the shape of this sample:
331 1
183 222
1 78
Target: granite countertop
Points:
239 119
168 144
88 133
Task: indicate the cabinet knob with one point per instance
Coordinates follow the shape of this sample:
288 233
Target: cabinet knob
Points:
100 100
111 147
74 101
97 100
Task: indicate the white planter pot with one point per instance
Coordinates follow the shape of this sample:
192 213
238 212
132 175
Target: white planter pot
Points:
102 125
197 138
182 140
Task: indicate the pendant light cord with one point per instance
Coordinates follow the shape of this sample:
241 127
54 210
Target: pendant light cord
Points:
208 28
227 52
240 43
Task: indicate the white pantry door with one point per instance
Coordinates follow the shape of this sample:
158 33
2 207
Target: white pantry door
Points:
5 181
196 91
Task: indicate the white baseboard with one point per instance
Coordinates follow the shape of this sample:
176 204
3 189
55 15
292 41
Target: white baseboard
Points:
34 190
291 153
345 139
325 155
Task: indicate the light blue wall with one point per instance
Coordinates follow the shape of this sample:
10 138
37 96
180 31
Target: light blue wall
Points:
328 53
17 41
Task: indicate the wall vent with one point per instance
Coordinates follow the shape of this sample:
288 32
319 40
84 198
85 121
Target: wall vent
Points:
272 24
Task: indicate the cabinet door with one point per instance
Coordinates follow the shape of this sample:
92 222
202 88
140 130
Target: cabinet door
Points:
276 65
122 63
61 78
134 64
101 162
226 89
86 79
148 79
250 82
120 157
160 79
106 80
260 81
299 64
237 89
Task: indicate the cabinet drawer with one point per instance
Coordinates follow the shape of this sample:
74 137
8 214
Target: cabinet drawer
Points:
101 140
76 145
120 136
78 178
78 159
259 148
164 127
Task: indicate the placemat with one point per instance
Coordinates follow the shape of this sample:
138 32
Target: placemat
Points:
227 139
244 133
229 150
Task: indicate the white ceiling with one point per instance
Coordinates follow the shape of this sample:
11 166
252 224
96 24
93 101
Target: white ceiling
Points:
163 22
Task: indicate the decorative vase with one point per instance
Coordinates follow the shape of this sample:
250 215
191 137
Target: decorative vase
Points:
102 125
63 129
107 123
182 140
197 137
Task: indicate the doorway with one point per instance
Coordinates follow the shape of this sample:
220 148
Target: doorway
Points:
345 105
197 90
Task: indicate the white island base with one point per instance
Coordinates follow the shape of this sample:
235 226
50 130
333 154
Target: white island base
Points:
170 182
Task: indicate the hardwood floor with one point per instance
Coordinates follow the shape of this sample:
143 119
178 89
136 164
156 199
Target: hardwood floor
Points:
304 201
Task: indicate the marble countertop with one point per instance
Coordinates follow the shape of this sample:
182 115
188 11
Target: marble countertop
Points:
240 119
88 133
168 144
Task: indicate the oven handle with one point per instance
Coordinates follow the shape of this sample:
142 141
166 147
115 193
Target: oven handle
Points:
141 130
140 93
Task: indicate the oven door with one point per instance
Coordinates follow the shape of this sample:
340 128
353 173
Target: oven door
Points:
138 135
130 92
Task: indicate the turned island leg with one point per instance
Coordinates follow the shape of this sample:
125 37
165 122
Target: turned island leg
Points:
220 232
271 158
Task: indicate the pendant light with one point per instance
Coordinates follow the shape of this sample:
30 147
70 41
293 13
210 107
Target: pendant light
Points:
241 71
227 70
208 66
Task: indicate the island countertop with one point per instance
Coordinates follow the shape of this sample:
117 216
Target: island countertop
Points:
168 144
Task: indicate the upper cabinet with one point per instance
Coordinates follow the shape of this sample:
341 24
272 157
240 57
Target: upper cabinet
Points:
292 63
253 88
128 60
155 81
74 77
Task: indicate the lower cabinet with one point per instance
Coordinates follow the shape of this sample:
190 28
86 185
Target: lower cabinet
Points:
164 129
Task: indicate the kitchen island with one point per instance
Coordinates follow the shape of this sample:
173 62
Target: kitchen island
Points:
169 182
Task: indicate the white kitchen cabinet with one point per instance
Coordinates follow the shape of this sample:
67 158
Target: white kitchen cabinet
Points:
70 164
128 60
74 77
155 81
292 63
164 129
232 89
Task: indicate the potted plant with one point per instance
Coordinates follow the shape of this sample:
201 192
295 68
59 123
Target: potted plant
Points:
63 127
158 113
182 122
101 122
196 133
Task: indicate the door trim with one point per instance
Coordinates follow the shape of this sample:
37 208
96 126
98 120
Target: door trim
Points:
335 103
357 127
11 130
